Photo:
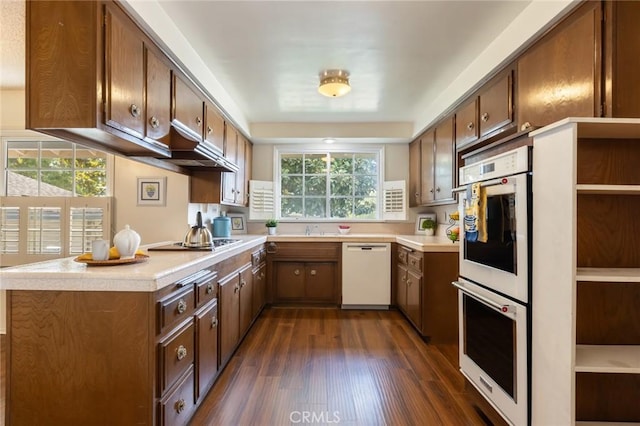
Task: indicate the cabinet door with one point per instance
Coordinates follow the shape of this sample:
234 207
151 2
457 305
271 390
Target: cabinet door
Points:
259 288
289 280
415 178
401 287
560 75
248 164
495 105
230 143
158 105
427 147
467 124
246 299
214 128
413 306
228 187
229 308
188 108
443 163
207 347
240 185
320 282
124 73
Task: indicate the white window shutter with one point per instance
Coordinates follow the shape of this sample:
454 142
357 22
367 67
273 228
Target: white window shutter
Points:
261 205
394 199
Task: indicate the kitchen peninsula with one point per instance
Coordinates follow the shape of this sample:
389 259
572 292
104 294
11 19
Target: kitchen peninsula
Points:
140 343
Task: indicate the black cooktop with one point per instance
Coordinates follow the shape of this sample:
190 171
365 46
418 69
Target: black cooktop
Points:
179 246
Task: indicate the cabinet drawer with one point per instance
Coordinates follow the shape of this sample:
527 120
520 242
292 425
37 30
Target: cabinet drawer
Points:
414 260
176 355
402 255
176 307
178 406
305 251
257 257
207 289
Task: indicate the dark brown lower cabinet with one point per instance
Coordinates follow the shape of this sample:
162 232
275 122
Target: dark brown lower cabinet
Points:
423 292
207 350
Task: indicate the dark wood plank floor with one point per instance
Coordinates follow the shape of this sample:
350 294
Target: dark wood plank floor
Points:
3 375
340 367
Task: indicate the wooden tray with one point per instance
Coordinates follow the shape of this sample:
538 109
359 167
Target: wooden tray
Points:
112 262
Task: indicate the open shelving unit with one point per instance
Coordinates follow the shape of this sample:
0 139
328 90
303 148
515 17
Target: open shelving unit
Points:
586 272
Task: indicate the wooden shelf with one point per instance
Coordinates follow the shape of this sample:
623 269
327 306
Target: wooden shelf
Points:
608 189
606 424
622 275
608 359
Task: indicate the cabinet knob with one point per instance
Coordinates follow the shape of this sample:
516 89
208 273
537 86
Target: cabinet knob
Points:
438 189
182 306
243 283
180 404
209 288
417 195
198 121
262 275
154 122
134 110
470 125
209 130
296 272
313 272
404 278
431 190
181 352
409 283
236 288
214 322
485 117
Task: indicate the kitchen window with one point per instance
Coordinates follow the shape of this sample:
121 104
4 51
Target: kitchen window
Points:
326 185
56 199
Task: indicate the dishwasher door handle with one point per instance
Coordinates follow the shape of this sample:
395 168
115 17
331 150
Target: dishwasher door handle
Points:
360 247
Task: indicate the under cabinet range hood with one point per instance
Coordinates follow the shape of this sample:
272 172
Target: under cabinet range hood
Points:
189 151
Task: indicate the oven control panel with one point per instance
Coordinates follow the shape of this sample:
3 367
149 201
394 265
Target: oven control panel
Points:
505 164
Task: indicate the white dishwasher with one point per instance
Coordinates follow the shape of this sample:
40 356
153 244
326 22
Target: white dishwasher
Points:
366 275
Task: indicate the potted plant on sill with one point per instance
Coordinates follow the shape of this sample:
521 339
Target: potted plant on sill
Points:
271 226
429 226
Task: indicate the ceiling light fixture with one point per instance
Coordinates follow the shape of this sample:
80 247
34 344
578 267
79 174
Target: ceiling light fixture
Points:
328 140
334 83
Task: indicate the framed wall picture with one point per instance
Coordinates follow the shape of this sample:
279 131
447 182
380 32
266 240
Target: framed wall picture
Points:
420 222
238 223
152 191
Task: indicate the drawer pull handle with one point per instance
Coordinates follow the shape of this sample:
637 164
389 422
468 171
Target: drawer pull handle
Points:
154 122
134 110
181 352
485 117
182 307
470 125
209 288
180 405
214 322
296 272
236 288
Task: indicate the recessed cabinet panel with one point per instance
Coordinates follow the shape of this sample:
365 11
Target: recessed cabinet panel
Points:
214 129
207 365
415 176
124 66
427 152
158 104
560 75
495 105
467 124
320 281
290 280
177 355
443 164
188 108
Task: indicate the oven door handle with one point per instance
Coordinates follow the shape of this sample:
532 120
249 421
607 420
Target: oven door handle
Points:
503 309
493 182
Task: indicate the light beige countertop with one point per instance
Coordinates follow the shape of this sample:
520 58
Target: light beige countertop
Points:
159 270
165 267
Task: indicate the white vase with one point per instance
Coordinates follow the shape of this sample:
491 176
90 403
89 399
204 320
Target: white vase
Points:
127 242
429 232
271 230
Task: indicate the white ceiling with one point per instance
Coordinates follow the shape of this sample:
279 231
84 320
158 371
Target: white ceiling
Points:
261 59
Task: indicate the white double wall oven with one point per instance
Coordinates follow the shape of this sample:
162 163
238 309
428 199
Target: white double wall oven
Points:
495 281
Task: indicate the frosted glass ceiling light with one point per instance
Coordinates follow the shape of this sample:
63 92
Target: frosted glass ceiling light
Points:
334 83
